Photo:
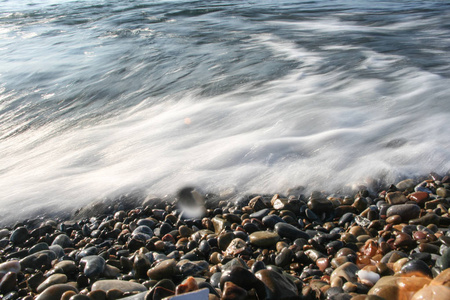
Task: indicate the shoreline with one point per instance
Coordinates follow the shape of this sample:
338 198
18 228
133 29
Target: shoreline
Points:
297 246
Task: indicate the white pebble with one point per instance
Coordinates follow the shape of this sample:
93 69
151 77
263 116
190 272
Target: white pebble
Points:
369 276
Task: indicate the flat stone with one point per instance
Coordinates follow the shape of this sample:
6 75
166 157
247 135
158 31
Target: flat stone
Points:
55 292
264 238
121 285
396 198
52 280
405 211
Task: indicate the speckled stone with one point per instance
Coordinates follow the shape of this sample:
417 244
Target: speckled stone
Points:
396 198
121 285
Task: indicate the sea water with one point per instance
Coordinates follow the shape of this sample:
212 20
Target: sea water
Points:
101 98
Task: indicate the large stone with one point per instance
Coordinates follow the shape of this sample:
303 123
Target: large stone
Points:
405 211
264 238
277 285
395 287
432 292
55 292
52 280
442 279
121 285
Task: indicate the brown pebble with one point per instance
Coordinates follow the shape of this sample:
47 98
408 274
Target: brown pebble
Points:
67 295
322 263
114 294
232 291
97 295
395 219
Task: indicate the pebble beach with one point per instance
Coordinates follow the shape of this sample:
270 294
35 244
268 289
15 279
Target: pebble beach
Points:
393 243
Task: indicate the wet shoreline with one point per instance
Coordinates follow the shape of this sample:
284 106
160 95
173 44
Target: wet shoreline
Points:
371 245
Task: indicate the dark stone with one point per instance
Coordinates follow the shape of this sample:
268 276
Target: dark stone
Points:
415 267
277 285
289 231
244 279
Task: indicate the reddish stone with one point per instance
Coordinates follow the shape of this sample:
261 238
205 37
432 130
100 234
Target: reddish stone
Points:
419 197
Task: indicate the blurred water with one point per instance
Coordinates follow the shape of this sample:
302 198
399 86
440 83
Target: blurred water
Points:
98 98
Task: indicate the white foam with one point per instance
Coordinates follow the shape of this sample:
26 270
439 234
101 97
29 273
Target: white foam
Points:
322 129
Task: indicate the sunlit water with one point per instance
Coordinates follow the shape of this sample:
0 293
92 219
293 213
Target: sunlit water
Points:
99 98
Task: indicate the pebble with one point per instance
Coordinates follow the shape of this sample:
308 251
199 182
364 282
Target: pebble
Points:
346 271
93 265
55 292
289 231
164 269
405 211
396 198
264 238
277 285
52 280
121 285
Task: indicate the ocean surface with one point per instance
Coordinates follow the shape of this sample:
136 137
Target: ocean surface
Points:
104 98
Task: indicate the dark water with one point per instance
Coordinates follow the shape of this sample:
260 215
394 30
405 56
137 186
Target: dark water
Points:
98 98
